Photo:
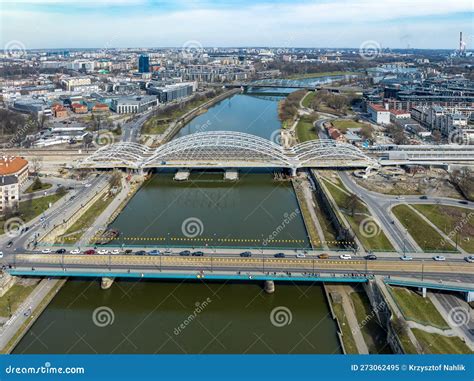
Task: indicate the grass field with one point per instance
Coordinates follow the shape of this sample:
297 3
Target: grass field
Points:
418 309
305 130
43 187
377 242
14 296
456 222
374 335
347 337
310 227
309 98
433 343
424 235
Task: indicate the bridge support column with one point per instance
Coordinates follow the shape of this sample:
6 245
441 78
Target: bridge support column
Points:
423 292
293 171
470 296
269 287
106 283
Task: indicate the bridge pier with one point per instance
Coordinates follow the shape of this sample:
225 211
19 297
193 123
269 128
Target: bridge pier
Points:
106 283
470 296
423 292
293 171
269 287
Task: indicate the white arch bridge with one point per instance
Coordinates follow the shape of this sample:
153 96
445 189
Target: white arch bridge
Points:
225 149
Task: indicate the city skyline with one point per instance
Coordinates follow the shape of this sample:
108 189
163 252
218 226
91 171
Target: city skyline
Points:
145 23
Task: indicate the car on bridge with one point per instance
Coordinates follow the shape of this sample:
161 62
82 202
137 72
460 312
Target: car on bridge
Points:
60 251
115 251
185 253
279 255
198 254
154 252
46 251
345 256
371 257
103 251
246 254
140 252
323 256
406 257
439 258
89 252
469 259
300 255
75 251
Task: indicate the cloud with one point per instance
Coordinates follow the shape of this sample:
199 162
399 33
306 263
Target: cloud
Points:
319 24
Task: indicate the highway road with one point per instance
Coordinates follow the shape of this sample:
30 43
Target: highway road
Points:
131 130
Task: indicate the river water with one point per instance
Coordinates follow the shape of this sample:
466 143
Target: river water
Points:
148 317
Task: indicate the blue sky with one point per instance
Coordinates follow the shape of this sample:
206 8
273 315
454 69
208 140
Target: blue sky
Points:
301 23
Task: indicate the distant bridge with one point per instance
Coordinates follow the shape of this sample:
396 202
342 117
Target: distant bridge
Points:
225 149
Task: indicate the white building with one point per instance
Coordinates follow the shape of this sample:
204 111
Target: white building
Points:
379 114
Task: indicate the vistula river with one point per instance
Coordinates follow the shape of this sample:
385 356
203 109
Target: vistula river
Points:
136 316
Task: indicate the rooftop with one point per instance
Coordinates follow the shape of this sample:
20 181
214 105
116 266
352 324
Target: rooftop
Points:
11 165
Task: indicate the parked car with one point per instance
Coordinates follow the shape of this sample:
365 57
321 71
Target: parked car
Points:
198 254
469 259
46 251
300 255
154 252
371 257
246 254
60 251
406 258
103 251
323 256
89 252
185 253
439 258
345 256
279 255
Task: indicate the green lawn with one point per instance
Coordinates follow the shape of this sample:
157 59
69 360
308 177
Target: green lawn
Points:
309 98
374 335
305 130
424 235
16 294
416 308
310 226
43 186
85 220
379 242
347 337
433 343
456 222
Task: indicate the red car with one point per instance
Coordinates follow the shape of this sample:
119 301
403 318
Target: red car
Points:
89 252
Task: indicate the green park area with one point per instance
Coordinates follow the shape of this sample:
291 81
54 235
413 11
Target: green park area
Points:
37 186
457 223
347 337
13 298
416 308
425 235
345 124
355 211
432 343
305 130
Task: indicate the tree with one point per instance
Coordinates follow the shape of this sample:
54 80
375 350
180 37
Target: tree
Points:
115 179
61 191
37 184
352 203
36 165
